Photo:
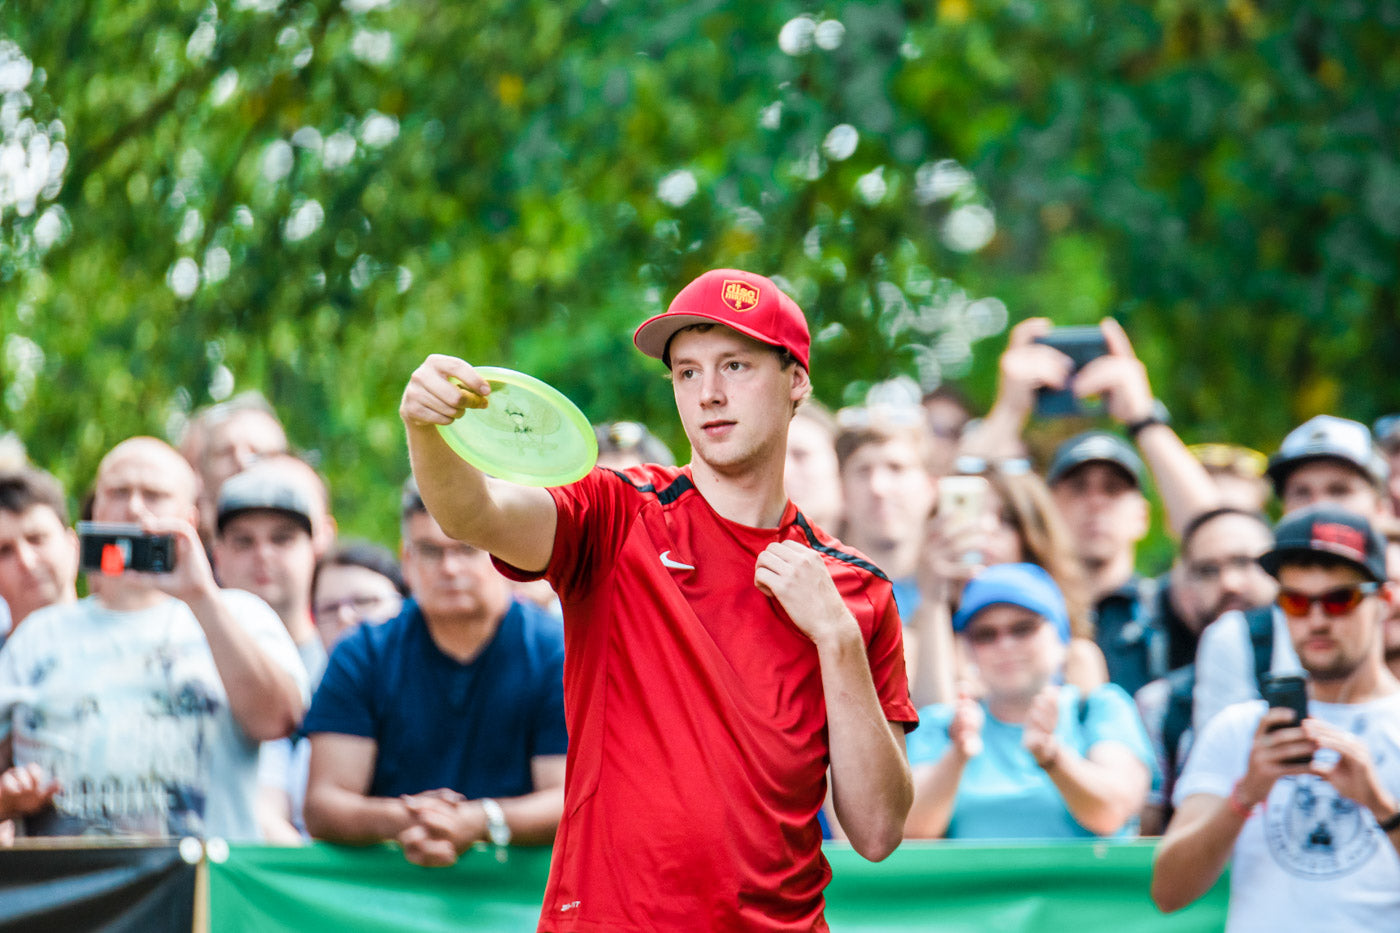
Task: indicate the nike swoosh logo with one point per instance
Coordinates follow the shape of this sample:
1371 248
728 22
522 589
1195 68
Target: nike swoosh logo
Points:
674 564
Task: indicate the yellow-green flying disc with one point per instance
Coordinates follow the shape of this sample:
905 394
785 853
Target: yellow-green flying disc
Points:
528 432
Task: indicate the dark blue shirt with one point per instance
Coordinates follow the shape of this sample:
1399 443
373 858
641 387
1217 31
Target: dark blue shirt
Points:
439 723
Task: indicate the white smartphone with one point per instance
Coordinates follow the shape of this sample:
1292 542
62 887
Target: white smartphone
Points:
961 502
962 499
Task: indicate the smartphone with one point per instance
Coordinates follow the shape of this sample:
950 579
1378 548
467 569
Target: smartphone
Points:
961 501
1288 691
113 547
1081 345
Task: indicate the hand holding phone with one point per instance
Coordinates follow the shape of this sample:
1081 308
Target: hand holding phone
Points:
112 548
1288 691
962 500
1082 345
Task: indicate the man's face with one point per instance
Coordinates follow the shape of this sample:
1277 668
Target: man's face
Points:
1332 482
1222 572
270 555
889 493
811 474
1106 513
449 578
143 478
1331 648
38 560
734 398
236 442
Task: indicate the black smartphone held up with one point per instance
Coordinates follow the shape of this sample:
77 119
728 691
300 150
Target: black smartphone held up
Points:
113 547
1288 691
1080 344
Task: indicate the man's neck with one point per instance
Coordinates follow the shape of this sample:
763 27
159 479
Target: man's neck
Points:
1370 681
462 637
300 625
1106 576
120 596
752 497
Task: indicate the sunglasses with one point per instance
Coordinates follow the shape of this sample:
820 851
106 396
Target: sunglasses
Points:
1334 602
983 636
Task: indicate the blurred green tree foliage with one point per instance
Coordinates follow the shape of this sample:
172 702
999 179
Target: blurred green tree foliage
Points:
308 197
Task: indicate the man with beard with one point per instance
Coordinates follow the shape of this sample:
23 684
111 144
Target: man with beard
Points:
1217 572
1307 813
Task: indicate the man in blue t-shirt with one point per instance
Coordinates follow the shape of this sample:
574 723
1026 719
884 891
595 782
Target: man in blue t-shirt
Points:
445 725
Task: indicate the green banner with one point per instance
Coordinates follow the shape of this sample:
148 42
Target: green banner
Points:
950 887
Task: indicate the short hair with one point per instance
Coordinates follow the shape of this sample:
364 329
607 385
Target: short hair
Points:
364 554
411 502
26 487
785 357
879 431
620 437
1198 522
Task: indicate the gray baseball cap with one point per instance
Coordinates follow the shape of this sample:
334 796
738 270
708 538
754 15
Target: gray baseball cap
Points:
264 488
1091 447
1326 437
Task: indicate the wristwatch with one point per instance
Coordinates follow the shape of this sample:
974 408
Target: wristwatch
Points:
497 829
1390 823
1159 415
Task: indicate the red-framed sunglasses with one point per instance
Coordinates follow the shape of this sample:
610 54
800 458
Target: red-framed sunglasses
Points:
1334 602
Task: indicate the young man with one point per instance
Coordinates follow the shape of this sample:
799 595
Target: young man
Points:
1324 460
139 710
444 726
1309 812
721 651
273 524
38 551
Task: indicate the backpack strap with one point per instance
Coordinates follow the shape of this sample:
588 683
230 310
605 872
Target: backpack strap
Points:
1261 639
1181 683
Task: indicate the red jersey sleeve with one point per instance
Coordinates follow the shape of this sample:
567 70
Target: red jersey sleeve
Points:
592 519
885 650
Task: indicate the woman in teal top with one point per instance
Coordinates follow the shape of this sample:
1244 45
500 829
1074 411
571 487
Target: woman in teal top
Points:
1030 759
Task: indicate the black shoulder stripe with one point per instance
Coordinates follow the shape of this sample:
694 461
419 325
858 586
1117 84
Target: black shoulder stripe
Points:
832 552
679 486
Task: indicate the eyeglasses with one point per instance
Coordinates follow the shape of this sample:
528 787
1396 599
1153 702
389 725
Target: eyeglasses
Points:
1209 571
985 635
359 605
1334 603
434 554
968 465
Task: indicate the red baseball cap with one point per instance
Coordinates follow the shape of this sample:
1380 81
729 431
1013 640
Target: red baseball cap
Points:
743 301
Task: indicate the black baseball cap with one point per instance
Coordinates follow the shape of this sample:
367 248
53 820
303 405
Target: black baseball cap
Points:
1326 530
1091 447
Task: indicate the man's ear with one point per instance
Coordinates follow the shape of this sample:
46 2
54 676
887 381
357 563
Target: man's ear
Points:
801 384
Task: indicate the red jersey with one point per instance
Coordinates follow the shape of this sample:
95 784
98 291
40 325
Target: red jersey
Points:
697 722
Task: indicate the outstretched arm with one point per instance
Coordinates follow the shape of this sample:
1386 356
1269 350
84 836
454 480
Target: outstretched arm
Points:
871 785
515 523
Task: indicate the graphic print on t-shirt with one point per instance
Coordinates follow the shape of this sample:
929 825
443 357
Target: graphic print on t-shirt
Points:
1314 832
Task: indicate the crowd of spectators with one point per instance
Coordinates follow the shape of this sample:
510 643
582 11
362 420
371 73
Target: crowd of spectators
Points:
280 684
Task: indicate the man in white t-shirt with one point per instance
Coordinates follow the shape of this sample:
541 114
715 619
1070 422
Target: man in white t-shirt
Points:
138 710
1308 814
1324 460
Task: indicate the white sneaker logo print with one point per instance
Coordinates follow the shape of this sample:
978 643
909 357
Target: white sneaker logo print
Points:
673 564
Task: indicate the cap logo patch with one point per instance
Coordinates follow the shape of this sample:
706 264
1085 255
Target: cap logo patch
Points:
739 296
1330 536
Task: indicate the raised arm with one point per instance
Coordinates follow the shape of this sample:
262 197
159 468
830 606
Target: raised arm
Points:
1120 377
515 523
1025 366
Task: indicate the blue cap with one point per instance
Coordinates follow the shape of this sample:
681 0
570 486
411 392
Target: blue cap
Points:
1024 585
